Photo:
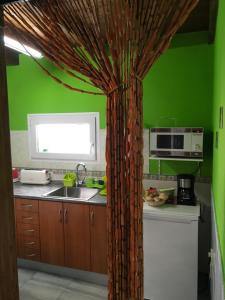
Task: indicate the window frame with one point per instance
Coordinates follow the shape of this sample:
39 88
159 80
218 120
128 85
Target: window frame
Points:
88 117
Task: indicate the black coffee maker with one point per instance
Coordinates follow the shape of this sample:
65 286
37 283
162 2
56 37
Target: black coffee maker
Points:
185 189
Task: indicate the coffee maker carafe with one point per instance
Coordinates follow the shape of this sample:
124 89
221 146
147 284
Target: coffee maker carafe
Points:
185 189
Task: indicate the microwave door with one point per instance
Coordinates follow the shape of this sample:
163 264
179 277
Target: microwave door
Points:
170 142
177 142
164 142
160 142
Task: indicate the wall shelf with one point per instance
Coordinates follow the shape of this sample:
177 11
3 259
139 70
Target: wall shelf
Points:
159 159
176 159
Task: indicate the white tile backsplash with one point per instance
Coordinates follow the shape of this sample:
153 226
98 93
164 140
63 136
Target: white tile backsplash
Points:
21 157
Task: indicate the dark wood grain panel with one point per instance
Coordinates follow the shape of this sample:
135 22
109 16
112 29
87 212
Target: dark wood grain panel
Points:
8 264
98 239
213 19
198 20
4 2
77 236
51 232
12 57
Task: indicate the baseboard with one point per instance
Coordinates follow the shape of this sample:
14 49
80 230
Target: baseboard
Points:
216 272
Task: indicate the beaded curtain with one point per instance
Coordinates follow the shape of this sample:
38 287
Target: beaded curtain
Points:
111 45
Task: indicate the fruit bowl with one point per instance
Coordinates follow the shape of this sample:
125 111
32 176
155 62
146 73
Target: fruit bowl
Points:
156 203
154 197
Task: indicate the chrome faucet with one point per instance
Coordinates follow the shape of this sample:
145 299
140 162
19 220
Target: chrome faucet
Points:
79 180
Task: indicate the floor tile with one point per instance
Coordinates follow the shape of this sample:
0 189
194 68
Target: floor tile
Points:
76 295
52 279
41 290
24 276
85 287
42 286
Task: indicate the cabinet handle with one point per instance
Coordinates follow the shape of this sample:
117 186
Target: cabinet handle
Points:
92 217
31 255
66 215
28 218
29 230
27 205
31 243
60 215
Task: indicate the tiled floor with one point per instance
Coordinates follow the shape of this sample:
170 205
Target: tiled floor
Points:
41 286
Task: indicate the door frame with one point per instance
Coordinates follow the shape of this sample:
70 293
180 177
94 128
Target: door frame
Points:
8 263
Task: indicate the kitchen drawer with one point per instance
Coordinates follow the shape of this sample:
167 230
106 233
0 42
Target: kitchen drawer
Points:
32 254
26 217
28 230
29 242
28 247
26 205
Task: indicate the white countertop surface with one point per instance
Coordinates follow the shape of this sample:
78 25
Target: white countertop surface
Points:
172 212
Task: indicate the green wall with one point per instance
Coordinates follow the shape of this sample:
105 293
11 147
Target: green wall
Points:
32 91
219 152
177 91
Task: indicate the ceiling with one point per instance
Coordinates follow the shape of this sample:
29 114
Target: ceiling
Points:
203 18
11 57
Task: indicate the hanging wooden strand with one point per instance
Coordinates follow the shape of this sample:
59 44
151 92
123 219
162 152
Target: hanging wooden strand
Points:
135 33
48 50
81 65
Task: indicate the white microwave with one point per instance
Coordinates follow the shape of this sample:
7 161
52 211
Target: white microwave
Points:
183 142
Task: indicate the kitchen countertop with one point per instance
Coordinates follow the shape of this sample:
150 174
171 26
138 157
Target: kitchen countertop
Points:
35 191
182 213
166 212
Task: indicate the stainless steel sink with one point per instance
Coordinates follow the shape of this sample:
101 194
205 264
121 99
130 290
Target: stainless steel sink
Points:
72 193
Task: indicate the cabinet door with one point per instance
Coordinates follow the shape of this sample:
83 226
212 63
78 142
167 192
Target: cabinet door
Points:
77 236
98 239
51 232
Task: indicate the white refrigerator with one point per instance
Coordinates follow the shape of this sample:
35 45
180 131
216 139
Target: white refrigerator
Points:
171 252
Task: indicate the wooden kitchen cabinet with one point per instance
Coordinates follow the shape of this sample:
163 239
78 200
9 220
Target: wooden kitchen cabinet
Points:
65 234
27 229
51 232
98 227
77 236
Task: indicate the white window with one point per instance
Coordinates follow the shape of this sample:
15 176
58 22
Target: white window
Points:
64 136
